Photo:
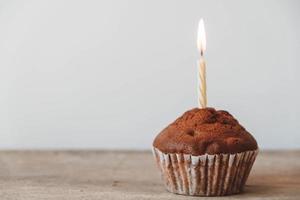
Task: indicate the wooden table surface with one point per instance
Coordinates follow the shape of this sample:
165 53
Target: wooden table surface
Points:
110 175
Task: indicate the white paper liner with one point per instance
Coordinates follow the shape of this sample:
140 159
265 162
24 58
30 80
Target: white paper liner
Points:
205 175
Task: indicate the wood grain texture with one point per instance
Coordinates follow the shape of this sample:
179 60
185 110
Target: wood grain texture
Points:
127 175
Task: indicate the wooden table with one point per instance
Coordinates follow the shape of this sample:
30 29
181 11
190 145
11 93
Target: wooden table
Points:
73 175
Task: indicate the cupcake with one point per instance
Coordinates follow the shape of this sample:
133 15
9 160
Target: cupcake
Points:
205 152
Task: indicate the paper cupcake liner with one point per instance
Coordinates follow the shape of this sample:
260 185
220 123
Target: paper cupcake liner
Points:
205 175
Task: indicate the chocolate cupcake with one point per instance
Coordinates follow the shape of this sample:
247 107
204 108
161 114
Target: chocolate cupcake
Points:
205 152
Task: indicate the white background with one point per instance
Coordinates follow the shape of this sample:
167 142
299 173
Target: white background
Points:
112 74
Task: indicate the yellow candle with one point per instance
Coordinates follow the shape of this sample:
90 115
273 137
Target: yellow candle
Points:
201 43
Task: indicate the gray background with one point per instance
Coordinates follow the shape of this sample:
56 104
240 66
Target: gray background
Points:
112 74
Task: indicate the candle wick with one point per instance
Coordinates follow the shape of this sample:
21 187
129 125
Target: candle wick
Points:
201 52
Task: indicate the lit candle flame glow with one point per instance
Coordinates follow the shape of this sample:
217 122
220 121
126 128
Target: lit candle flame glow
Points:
201 39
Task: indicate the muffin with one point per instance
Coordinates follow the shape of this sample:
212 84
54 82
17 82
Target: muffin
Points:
205 152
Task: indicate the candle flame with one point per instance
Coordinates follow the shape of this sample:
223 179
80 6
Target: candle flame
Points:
201 40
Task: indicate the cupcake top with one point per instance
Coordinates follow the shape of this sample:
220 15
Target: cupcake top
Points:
205 131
